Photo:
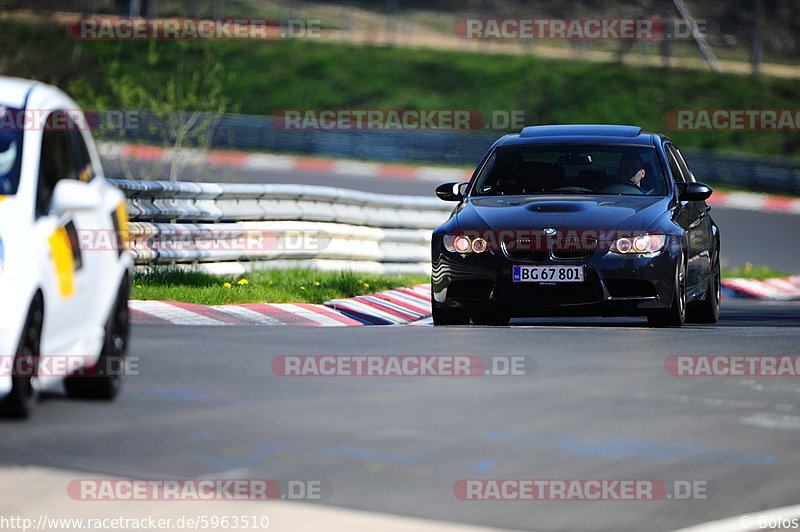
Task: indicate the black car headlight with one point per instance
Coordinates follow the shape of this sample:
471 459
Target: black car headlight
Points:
464 244
639 245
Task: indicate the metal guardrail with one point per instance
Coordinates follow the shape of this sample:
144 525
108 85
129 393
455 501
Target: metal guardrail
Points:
759 173
234 228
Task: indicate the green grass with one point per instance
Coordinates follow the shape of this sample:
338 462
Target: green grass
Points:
298 74
284 286
269 286
753 272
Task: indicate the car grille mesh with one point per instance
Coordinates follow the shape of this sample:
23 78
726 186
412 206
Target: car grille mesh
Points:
523 249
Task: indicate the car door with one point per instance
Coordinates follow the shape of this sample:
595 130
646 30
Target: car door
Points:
69 290
101 230
688 217
58 238
705 236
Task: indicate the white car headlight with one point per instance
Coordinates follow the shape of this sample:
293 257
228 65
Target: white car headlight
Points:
464 244
639 245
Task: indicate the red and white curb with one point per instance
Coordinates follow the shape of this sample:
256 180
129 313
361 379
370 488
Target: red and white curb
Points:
390 307
752 201
776 289
267 161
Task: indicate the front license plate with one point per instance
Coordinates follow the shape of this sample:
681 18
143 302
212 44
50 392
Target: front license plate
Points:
548 274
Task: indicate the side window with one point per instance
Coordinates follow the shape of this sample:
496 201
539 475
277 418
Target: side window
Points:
677 172
57 160
682 163
83 161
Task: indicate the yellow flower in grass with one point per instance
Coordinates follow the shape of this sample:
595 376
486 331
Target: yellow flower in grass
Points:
227 285
316 283
269 282
242 281
138 286
366 285
302 288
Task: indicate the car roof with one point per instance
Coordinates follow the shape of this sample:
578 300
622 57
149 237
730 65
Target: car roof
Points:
14 91
581 134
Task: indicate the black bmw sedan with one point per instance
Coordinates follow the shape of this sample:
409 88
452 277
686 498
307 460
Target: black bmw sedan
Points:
577 220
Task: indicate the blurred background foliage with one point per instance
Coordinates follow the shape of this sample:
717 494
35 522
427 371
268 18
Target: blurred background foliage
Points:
403 54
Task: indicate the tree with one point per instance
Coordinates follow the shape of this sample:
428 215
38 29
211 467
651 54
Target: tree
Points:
178 101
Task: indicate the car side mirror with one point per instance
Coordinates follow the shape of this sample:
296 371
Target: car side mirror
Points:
694 191
71 195
451 191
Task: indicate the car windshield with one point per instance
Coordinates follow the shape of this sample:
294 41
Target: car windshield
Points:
10 153
571 169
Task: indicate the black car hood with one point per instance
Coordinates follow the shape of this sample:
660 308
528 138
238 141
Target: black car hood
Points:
562 212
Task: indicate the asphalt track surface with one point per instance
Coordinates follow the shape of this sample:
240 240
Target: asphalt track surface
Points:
762 238
599 405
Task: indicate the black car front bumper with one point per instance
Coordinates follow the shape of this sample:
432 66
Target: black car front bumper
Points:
614 285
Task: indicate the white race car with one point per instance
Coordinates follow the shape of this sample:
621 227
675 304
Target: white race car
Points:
64 274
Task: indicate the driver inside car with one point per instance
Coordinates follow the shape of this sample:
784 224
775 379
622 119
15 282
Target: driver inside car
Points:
631 169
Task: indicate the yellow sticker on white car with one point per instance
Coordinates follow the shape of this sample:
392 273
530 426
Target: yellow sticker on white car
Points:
64 261
120 219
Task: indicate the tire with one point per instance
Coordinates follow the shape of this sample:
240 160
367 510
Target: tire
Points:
24 394
104 379
675 315
446 317
707 310
497 320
